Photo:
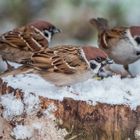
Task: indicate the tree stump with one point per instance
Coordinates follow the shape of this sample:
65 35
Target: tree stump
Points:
82 120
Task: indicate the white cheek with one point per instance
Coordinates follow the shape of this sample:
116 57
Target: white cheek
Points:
49 37
125 51
134 44
132 41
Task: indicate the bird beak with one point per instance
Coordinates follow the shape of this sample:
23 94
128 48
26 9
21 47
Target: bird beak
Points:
107 61
102 71
56 30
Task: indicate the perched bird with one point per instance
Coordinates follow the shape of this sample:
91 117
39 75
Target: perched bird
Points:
122 44
19 43
65 64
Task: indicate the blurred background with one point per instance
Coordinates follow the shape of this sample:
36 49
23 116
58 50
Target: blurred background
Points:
71 16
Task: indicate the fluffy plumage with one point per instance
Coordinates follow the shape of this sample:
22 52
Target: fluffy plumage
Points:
65 64
19 43
122 44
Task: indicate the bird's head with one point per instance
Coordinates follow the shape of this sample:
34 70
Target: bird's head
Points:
97 58
46 28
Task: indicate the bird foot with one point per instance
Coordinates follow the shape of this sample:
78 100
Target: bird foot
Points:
127 76
9 68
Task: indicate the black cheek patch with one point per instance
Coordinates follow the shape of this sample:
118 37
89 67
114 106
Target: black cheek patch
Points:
137 39
93 66
137 53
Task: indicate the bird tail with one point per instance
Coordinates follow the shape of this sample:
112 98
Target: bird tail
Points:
20 70
100 23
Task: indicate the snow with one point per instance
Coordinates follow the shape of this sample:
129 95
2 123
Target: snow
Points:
38 125
22 132
35 128
12 106
112 90
50 110
31 102
48 130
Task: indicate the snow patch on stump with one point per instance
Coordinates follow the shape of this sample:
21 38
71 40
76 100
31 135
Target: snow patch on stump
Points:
31 102
22 132
112 90
12 107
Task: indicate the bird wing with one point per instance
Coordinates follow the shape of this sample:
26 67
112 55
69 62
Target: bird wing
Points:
61 65
26 38
51 60
35 38
116 32
72 55
63 59
112 35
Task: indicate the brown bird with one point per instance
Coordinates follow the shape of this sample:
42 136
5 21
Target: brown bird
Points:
122 44
66 64
19 43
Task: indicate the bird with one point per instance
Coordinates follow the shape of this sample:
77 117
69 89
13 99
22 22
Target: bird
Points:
19 43
65 65
122 44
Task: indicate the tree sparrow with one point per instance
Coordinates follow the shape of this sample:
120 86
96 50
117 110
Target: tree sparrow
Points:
66 64
122 44
19 43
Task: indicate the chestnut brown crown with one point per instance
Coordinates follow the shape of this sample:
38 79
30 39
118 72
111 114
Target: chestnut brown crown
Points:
45 25
92 53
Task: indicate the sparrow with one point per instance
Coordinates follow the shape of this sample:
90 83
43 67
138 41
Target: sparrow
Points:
122 44
19 43
65 65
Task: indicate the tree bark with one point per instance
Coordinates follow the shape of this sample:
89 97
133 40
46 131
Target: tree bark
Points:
85 121
98 122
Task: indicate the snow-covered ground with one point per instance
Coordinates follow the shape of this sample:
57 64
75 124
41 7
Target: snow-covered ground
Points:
112 90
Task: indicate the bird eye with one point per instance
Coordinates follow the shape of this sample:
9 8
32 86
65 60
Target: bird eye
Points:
93 65
98 59
46 33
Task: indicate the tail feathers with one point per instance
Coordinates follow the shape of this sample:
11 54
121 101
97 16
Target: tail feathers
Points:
19 70
100 23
